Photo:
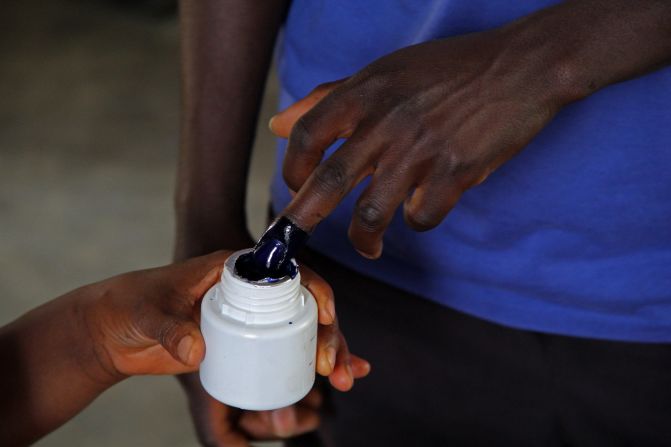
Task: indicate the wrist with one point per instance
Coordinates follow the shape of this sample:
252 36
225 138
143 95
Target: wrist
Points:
550 67
93 353
205 226
576 48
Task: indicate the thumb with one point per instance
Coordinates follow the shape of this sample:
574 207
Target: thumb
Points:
282 123
182 339
197 275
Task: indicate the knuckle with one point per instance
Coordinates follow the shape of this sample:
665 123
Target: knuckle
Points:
323 88
409 105
369 83
423 135
301 136
453 164
370 216
168 334
332 176
362 79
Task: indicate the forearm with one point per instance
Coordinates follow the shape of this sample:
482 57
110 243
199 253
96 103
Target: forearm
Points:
51 370
581 46
226 52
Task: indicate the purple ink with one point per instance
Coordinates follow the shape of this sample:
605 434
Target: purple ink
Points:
273 255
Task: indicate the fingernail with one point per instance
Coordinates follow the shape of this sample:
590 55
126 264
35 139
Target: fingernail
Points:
375 255
331 356
270 254
270 123
184 349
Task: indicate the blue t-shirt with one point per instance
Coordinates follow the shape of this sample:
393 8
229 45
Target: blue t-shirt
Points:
572 236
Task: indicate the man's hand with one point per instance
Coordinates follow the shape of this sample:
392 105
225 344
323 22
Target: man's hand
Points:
425 122
220 425
429 121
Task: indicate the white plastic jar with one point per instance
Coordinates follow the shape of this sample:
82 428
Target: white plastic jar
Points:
260 341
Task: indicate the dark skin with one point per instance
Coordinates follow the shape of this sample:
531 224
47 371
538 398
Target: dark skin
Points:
60 356
426 122
210 205
211 183
429 121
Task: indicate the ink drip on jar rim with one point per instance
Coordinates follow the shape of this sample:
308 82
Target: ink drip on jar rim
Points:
273 255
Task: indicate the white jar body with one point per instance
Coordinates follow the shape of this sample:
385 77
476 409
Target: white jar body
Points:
258 366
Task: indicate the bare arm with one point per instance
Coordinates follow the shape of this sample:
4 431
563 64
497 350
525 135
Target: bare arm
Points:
227 47
60 356
49 373
226 52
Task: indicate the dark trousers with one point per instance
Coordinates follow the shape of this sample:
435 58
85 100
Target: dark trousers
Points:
442 378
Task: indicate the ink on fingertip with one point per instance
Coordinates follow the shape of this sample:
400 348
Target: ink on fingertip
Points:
273 255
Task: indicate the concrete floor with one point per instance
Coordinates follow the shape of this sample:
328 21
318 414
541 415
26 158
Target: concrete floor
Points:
88 145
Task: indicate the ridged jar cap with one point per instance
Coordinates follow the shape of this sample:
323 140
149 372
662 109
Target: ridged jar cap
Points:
257 303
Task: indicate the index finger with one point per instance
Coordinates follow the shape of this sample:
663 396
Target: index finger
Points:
332 180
